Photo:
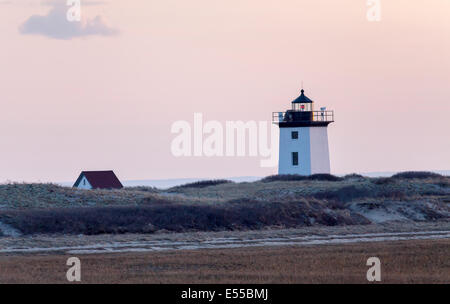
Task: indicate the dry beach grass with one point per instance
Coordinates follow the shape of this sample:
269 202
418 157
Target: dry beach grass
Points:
402 262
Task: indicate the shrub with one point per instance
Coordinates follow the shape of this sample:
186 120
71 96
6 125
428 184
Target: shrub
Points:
296 177
142 188
383 181
238 215
344 194
416 174
353 176
203 184
325 177
284 178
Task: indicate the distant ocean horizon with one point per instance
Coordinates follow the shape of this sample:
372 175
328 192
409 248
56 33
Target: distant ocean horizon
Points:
172 182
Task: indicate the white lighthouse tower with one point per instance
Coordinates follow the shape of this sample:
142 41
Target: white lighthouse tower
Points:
303 138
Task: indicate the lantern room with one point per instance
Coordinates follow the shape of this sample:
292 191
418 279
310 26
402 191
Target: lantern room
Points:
302 114
302 103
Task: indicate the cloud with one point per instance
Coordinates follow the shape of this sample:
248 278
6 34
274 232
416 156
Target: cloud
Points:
55 25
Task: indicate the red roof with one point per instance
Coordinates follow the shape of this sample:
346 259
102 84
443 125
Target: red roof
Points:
100 180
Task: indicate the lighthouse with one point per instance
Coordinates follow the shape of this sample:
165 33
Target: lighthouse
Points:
303 138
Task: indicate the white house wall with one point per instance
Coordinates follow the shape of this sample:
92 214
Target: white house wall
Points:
84 184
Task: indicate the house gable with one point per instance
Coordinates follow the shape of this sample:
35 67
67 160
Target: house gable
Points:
84 183
98 180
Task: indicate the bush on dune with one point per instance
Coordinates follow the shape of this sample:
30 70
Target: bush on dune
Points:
296 177
353 176
284 178
142 189
416 174
237 215
325 177
203 184
383 181
406 176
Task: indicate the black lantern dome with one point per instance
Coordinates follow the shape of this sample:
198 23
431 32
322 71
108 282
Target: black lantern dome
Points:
302 103
302 98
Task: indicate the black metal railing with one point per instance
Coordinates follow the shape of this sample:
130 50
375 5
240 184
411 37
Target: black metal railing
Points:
303 116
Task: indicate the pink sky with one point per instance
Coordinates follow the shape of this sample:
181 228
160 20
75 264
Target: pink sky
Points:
108 101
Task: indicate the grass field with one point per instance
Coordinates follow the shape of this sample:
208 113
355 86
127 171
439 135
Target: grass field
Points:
401 262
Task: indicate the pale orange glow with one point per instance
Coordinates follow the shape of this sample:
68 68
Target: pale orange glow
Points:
108 102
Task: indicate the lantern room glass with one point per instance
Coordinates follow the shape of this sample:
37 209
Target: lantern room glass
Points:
302 107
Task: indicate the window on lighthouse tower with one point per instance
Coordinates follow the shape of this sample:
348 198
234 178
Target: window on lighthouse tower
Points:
295 158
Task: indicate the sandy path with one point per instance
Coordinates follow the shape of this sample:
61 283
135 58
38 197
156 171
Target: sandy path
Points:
290 239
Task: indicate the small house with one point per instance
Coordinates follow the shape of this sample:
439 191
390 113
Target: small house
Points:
98 180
